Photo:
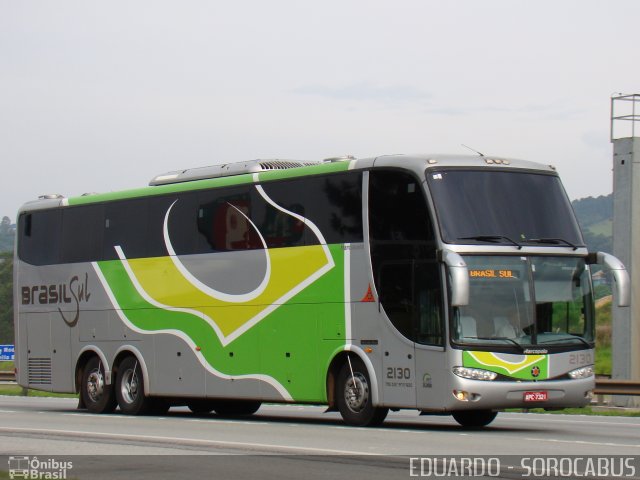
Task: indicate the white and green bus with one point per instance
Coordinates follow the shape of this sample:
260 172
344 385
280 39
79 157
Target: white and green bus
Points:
446 284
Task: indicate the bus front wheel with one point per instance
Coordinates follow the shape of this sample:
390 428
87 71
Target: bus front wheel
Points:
474 418
98 397
129 388
354 396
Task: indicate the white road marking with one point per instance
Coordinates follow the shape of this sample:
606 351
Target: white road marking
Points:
174 440
582 442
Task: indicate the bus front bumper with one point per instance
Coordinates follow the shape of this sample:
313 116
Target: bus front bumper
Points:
477 394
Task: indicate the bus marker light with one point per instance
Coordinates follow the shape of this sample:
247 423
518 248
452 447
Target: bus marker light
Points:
198 349
368 349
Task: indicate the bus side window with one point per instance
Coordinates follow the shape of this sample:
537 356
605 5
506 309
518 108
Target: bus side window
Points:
82 233
333 203
430 330
39 239
125 226
223 221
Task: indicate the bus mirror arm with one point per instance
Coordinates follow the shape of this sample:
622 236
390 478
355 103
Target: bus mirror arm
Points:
619 274
459 277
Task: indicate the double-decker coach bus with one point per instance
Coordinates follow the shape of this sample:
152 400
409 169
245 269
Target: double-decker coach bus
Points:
447 284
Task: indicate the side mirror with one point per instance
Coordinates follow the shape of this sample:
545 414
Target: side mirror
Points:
622 284
458 276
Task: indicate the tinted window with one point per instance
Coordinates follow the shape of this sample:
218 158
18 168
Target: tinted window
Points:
180 212
223 220
230 219
126 227
39 237
198 222
399 223
520 206
82 230
403 256
333 203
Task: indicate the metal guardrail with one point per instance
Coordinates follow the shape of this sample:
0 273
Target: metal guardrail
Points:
609 386
7 377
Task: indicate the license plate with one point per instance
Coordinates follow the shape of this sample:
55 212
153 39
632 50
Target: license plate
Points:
535 396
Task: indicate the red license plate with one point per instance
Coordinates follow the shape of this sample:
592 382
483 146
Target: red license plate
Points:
535 396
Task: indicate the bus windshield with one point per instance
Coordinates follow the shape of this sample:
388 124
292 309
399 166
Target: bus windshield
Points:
518 302
479 206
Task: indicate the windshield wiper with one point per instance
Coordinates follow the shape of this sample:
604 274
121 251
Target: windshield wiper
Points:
492 239
553 241
572 337
511 340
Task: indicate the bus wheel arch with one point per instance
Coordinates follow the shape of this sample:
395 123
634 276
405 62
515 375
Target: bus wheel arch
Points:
131 382
92 382
352 389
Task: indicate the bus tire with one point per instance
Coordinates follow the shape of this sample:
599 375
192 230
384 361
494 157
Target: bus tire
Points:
474 418
354 397
97 396
233 408
129 388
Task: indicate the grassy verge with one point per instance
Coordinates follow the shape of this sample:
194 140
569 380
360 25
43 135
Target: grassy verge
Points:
17 390
6 366
603 360
582 411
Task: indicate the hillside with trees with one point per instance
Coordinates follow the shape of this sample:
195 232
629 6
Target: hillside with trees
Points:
595 215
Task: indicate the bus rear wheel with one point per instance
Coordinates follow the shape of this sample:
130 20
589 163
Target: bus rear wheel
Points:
98 397
129 388
474 418
354 396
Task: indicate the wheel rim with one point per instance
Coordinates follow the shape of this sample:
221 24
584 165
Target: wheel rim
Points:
129 387
95 386
356 392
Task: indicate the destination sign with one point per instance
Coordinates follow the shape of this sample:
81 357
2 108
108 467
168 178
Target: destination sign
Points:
493 273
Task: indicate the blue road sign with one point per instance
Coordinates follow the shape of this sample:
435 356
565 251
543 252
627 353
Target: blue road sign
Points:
7 352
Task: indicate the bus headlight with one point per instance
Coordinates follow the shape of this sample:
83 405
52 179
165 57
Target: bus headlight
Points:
582 372
474 373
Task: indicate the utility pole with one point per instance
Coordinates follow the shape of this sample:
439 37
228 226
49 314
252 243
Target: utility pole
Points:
625 123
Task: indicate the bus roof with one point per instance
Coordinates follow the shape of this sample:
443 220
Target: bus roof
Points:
266 170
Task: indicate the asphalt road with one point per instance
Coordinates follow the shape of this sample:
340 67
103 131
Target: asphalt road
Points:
284 441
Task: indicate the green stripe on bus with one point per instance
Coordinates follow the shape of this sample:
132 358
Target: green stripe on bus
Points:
323 168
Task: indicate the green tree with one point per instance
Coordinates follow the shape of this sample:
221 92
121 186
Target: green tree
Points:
6 298
7 235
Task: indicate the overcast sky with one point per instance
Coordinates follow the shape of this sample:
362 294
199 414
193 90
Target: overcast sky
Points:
102 96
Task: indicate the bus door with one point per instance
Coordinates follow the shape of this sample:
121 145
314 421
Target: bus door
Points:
411 297
431 371
395 290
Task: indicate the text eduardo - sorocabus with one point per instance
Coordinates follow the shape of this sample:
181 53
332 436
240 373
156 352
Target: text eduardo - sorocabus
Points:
72 292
